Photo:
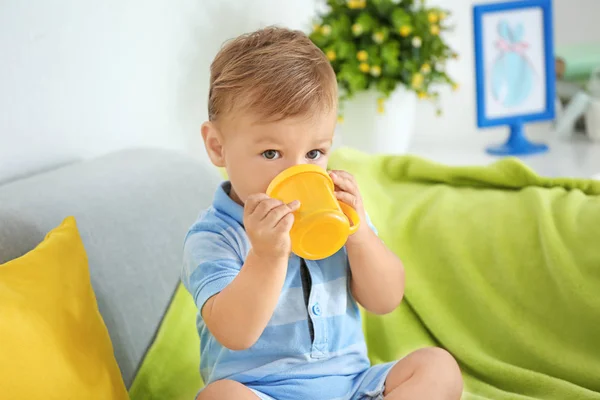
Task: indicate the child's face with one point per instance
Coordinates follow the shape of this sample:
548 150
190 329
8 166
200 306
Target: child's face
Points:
254 153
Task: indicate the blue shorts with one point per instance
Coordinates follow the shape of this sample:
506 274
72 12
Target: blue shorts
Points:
368 385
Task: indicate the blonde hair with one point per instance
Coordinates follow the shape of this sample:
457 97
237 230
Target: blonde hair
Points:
275 72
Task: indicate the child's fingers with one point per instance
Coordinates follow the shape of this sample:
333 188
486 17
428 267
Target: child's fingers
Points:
265 206
285 223
253 201
276 214
347 198
294 205
344 181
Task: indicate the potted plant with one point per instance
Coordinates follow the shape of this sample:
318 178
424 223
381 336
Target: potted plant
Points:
386 54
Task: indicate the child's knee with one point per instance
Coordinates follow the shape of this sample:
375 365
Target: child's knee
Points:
226 390
445 368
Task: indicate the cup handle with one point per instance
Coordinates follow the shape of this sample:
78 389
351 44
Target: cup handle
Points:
352 216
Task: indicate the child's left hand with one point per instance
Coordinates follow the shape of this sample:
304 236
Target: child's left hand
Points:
346 191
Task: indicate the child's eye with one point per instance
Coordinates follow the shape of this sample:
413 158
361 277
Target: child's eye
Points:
271 154
314 154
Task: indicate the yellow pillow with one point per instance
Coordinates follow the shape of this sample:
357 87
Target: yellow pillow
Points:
53 341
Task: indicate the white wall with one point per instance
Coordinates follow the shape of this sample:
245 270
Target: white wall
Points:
574 21
82 78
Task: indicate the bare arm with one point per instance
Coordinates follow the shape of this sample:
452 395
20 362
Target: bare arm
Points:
377 274
238 315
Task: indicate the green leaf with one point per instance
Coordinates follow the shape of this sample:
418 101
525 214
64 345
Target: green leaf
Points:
390 51
400 18
341 26
358 82
386 86
411 66
380 34
383 7
320 40
392 68
346 50
366 21
336 5
353 78
373 51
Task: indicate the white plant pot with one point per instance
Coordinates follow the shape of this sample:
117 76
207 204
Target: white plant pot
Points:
592 119
390 132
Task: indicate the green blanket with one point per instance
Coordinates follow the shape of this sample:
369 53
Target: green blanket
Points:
502 267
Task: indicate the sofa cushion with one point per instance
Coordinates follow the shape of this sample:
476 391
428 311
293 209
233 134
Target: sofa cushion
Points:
133 209
54 342
170 369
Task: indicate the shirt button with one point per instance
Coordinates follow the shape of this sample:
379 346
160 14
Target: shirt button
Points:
316 309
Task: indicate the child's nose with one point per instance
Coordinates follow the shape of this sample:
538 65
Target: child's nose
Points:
297 161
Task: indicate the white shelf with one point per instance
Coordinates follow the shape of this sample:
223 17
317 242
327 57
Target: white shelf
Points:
577 157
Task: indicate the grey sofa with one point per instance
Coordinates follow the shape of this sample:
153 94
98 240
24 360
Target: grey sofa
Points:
133 209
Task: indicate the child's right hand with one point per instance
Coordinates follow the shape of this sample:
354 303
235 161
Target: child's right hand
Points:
268 222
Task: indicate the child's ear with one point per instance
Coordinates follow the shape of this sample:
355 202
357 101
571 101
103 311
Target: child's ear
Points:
213 142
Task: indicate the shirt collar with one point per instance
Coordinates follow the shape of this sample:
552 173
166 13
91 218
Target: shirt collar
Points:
225 204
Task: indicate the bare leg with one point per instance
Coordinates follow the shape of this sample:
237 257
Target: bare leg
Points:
430 373
226 390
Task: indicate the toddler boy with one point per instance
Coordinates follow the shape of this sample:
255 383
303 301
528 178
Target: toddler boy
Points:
274 326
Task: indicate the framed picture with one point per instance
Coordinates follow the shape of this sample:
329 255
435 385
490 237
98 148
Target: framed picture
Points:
514 69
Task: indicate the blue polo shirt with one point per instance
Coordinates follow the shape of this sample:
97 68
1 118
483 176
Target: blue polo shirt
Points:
315 332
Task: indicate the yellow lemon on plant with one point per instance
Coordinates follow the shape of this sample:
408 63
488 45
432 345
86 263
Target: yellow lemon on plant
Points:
405 30
362 55
356 4
378 37
422 95
380 109
443 15
432 17
376 70
357 29
364 67
434 29
426 68
331 55
316 27
417 80
326 30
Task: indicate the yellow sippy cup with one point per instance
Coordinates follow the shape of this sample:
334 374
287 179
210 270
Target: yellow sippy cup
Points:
322 224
